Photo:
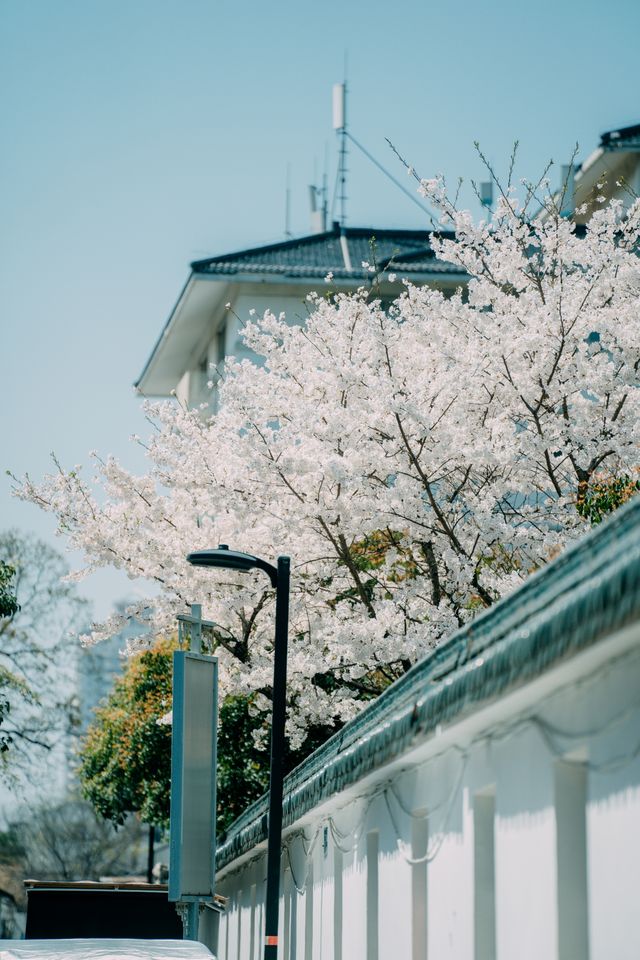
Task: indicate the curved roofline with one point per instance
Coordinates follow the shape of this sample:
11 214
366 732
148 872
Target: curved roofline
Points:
336 231
613 138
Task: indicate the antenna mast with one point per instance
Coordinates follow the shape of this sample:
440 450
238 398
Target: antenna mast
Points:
318 200
287 205
340 126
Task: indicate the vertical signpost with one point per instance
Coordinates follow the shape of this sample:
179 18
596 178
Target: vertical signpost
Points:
193 776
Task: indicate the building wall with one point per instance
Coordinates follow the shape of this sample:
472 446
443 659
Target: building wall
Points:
513 834
225 339
615 176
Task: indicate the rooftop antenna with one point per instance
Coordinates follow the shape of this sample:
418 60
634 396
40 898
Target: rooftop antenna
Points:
340 186
325 188
340 126
287 204
318 200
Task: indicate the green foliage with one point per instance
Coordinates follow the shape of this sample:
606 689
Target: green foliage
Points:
604 494
126 756
243 769
8 602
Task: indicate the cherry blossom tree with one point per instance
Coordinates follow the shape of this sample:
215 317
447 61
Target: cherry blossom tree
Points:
416 461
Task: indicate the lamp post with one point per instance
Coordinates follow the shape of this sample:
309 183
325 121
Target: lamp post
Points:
279 577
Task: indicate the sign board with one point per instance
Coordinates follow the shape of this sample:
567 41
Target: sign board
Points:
193 777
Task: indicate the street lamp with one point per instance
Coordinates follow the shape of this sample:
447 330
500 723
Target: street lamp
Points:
279 577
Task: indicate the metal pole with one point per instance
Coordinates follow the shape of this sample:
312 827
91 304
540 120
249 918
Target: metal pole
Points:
191 920
150 853
196 628
274 841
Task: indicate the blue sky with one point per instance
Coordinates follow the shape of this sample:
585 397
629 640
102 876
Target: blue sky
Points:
140 135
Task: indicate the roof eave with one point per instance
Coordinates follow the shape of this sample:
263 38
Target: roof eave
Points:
172 351
341 278
142 381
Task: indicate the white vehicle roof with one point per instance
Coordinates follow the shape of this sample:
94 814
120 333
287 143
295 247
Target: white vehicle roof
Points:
103 949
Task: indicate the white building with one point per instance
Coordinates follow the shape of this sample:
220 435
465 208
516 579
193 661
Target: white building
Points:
487 805
612 170
203 327
214 305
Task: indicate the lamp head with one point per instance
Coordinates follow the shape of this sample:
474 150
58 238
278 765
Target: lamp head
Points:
232 560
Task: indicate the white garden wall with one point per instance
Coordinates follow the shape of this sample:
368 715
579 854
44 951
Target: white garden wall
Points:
515 833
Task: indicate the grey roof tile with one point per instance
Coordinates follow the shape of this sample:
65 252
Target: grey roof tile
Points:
407 252
624 138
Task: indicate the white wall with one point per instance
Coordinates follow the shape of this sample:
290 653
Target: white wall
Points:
529 815
225 339
614 175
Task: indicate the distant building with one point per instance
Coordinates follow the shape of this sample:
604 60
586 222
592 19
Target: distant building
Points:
12 919
98 667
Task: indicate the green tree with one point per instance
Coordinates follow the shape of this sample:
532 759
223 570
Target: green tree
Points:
125 759
37 610
605 493
8 602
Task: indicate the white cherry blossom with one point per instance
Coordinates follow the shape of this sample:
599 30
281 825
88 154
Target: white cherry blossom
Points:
416 462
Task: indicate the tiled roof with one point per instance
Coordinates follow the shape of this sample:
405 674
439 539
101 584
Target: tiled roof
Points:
406 252
622 139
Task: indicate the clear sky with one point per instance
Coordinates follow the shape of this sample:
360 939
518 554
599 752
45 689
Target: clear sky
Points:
138 136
